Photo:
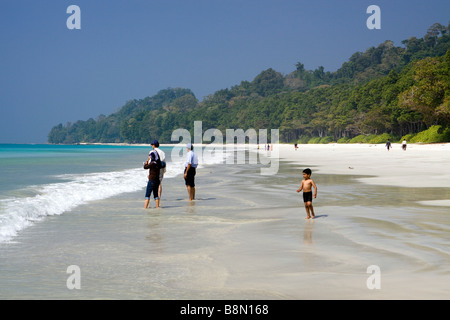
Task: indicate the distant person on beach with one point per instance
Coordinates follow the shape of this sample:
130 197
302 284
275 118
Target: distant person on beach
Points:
162 170
306 186
190 167
296 146
388 145
153 178
404 145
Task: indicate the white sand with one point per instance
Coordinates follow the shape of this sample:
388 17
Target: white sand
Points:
246 237
420 166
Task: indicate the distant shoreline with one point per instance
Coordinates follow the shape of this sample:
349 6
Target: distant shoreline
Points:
420 166
123 144
281 144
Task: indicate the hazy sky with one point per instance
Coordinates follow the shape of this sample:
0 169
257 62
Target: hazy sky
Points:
130 49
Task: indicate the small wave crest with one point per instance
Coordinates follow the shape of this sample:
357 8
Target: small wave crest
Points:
57 198
18 213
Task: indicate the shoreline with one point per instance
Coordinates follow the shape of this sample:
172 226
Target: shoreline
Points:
420 166
243 239
246 144
238 240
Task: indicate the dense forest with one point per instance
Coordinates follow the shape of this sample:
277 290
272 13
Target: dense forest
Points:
385 92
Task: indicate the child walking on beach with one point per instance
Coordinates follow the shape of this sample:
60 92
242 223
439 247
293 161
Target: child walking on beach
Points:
306 186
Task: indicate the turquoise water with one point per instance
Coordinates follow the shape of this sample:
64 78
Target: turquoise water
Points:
22 165
45 180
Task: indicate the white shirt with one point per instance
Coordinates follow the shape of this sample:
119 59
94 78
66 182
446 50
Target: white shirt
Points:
162 156
192 159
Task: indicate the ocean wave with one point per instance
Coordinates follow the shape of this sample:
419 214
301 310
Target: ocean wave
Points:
57 198
74 190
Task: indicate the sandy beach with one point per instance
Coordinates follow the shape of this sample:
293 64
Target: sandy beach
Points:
420 166
245 237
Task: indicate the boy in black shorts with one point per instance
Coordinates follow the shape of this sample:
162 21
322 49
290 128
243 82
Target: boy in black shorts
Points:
306 186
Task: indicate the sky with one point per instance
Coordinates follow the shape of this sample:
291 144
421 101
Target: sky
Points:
131 49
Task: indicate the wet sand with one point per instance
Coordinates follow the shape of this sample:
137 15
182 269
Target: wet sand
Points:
245 237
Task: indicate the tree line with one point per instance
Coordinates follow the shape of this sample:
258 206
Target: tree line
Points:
386 90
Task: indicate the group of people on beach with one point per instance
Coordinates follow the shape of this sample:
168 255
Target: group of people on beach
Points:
156 164
157 167
267 147
389 145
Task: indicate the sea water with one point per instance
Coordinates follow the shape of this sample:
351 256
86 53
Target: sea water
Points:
38 181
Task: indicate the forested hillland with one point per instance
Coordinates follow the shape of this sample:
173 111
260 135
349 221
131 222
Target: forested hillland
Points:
386 92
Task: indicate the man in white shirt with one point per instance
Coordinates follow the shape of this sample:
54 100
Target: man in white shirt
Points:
190 167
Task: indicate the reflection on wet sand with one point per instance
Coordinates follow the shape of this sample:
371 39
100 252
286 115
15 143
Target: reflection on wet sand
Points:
307 236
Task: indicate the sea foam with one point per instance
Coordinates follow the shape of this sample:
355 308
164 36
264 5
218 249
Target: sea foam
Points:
57 198
18 213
